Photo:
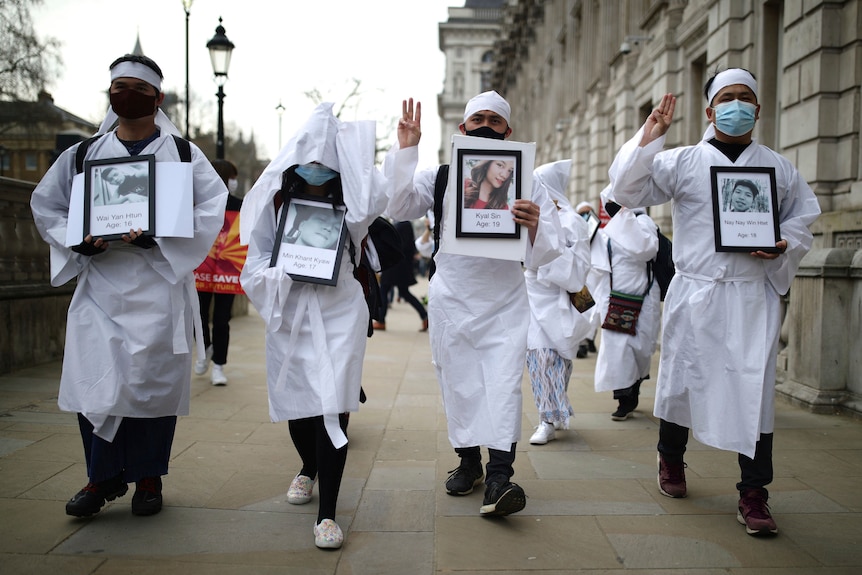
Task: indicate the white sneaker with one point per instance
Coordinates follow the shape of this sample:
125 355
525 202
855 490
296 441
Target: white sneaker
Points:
328 535
544 433
203 364
300 489
218 376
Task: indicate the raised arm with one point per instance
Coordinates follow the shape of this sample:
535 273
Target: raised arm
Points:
659 120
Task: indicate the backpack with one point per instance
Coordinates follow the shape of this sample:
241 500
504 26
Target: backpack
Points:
183 147
440 183
662 265
387 242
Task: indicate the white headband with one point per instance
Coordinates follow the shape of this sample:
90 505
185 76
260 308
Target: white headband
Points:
136 70
729 78
488 101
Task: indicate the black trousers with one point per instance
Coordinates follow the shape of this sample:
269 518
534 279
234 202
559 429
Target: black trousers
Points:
756 473
222 304
320 458
404 293
141 448
499 466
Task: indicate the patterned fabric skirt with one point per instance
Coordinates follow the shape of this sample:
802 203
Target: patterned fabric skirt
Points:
549 378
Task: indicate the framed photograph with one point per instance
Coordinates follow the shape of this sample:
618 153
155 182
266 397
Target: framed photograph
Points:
461 233
745 209
593 223
119 196
487 186
310 240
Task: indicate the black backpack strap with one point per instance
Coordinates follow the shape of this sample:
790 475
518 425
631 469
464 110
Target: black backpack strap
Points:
440 183
81 153
184 148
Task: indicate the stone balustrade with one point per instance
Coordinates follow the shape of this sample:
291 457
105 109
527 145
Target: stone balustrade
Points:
821 367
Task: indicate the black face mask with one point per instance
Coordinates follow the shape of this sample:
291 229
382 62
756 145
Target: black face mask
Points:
486 132
131 104
612 208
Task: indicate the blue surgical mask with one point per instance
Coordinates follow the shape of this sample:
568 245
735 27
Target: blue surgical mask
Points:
734 118
315 174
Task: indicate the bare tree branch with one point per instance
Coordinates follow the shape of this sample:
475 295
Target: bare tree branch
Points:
26 62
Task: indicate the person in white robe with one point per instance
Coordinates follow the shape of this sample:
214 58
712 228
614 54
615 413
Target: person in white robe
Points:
722 310
624 359
478 318
316 333
556 327
588 344
127 361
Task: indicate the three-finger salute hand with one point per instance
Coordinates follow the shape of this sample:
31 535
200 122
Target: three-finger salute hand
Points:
410 124
658 122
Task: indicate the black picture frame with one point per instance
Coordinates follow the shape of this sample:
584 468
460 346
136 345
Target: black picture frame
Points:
316 259
493 219
119 196
593 223
745 209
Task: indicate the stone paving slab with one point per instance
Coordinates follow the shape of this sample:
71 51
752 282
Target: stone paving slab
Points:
592 507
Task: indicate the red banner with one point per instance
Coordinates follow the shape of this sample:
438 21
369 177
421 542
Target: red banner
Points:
219 273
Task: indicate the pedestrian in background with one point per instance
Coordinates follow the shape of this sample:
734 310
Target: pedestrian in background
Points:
217 280
402 275
556 327
621 253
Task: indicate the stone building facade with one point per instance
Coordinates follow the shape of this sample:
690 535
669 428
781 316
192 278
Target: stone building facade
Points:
582 75
467 38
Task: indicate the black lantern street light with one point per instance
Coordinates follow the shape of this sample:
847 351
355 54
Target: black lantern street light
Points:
220 50
187 7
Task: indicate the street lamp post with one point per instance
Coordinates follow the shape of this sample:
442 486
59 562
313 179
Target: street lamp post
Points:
220 50
187 6
280 110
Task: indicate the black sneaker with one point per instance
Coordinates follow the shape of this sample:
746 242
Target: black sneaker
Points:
591 345
92 497
582 351
503 498
464 478
625 409
147 499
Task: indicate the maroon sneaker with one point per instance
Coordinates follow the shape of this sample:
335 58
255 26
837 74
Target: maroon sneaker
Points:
754 513
671 478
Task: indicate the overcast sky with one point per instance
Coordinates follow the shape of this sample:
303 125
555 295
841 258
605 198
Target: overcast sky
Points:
283 49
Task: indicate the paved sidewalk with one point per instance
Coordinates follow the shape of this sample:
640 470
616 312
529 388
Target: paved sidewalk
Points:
592 508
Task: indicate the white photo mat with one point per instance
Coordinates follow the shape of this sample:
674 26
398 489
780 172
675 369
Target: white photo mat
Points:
514 249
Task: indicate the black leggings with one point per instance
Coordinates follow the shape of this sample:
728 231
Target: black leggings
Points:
320 457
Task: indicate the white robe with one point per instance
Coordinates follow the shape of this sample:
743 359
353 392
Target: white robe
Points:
478 315
129 327
554 321
721 313
316 334
623 359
